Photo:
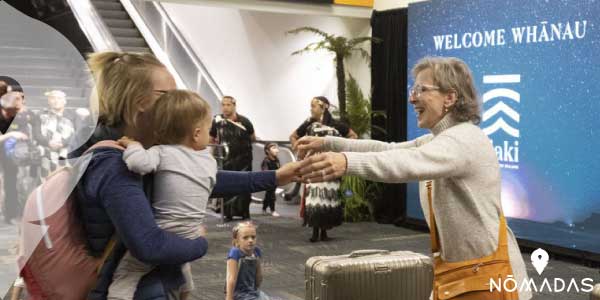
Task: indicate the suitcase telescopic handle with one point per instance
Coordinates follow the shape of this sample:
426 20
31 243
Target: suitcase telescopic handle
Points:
360 253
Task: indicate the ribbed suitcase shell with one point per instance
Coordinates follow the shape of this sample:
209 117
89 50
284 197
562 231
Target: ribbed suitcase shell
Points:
595 295
369 275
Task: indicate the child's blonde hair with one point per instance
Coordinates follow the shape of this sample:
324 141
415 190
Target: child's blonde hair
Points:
3 88
175 115
123 80
236 230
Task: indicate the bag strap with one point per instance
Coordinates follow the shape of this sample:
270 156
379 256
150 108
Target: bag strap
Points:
113 240
435 242
435 238
107 252
503 228
105 144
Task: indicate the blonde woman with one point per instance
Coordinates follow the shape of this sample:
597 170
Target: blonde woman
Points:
457 157
112 199
185 176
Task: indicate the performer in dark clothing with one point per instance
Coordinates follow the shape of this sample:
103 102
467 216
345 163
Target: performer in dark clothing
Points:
237 133
321 207
319 112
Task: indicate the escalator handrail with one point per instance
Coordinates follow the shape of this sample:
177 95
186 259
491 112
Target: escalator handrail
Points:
201 67
165 19
93 26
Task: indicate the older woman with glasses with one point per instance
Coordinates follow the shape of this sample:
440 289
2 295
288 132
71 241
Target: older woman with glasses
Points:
456 167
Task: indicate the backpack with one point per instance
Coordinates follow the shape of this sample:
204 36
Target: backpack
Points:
53 255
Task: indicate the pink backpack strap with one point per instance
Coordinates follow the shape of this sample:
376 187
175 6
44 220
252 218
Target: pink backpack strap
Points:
105 144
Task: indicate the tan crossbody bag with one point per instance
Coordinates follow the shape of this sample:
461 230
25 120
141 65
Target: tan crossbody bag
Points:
470 279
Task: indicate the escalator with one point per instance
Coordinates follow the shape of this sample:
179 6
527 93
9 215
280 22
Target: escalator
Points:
41 60
124 31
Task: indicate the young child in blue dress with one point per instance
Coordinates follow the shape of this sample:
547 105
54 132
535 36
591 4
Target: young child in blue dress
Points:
244 270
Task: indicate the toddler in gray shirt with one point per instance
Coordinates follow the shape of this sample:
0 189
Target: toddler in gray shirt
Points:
184 176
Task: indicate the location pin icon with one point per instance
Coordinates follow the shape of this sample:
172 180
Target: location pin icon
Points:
539 259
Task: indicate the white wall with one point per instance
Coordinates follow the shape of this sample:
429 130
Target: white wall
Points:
391 4
248 55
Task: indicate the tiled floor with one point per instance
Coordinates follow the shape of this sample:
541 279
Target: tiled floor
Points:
285 246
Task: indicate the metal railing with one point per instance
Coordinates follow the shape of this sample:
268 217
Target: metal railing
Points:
93 26
183 58
163 37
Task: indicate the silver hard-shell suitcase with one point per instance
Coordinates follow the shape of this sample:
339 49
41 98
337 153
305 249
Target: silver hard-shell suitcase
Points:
369 275
595 295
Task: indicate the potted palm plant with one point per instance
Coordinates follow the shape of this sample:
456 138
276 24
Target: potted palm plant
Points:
359 194
342 48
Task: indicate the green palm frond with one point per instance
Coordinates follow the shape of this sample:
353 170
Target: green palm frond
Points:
357 207
376 40
310 30
322 45
343 48
364 54
358 110
357 41
339 46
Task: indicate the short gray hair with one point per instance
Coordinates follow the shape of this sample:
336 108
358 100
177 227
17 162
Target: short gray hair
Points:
451 73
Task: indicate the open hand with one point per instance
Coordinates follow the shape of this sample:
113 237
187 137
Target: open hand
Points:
288 173
323 167
309 144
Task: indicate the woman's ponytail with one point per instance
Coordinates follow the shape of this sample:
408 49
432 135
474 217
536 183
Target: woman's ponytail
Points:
122 80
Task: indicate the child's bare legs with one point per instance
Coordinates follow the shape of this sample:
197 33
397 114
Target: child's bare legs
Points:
186 269
128 274
184 295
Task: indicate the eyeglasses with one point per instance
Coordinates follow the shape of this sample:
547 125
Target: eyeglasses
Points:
419 89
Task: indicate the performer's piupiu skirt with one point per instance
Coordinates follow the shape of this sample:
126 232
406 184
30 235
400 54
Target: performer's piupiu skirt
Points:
322 205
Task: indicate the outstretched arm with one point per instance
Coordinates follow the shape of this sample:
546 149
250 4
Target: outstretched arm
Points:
231 183
337 144
442 157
